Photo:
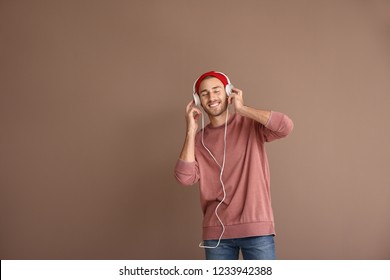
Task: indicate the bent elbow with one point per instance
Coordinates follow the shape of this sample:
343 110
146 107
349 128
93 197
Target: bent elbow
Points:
288 126
185 180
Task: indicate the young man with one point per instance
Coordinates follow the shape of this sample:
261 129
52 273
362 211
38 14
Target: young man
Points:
228 159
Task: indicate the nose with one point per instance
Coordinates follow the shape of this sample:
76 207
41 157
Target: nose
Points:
213 95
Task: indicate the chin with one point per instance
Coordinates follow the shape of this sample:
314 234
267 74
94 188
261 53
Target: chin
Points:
216 113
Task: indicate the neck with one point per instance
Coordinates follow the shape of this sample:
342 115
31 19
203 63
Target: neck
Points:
219 120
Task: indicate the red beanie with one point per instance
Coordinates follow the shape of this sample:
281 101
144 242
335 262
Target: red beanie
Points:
220 76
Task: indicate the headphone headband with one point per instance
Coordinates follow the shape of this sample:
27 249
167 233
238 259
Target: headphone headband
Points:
219 75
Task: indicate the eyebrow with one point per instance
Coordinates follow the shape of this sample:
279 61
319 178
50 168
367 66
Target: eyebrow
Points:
211 88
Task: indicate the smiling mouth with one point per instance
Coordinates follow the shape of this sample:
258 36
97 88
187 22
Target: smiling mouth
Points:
214 104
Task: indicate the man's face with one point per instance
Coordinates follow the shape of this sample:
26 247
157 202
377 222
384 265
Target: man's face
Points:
213 96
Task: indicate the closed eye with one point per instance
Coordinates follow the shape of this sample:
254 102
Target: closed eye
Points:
205 92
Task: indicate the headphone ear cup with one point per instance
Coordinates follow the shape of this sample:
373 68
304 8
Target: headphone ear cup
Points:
228 89
196 99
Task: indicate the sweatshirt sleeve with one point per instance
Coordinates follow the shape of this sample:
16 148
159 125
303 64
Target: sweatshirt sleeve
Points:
187 173
278 126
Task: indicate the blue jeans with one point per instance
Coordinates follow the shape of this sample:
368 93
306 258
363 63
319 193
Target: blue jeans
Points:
252 248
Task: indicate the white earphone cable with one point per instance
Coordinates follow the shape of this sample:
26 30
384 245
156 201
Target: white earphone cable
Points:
220 179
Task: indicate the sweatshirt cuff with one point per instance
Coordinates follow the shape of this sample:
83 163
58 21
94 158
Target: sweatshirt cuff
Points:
183 166
274 121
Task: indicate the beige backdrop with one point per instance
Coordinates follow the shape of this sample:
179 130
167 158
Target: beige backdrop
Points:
92 122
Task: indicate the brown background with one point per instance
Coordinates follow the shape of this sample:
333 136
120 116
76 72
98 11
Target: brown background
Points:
92 121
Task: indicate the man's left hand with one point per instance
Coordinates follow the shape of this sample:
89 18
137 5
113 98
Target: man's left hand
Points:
237 99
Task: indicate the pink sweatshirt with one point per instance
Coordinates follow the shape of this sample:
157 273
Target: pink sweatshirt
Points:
247 209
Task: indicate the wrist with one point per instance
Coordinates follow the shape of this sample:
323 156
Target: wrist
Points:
241 109
261 116
191 133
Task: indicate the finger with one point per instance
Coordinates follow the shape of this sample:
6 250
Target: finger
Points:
196 111
189 105
196 116
237 91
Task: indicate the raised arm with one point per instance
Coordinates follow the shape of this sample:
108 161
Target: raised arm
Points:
276 124
261 116
188 150
186 169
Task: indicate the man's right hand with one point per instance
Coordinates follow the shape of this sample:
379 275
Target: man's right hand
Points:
192 115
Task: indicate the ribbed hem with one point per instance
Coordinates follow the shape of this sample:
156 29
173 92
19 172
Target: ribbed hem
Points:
239 230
